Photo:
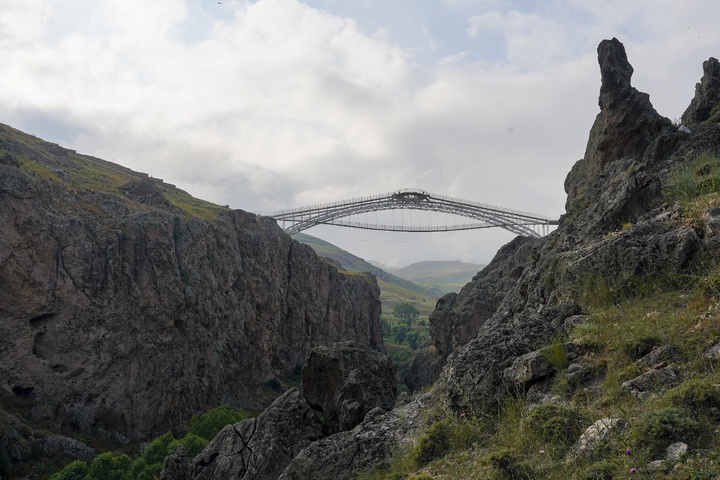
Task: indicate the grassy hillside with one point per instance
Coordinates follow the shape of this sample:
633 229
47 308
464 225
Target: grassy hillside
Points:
445 276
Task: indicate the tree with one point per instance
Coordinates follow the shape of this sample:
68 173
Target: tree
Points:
406 312
400 332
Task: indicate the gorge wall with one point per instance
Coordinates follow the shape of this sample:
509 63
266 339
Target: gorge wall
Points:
119 309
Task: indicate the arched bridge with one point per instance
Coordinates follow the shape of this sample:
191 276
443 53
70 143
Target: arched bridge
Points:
486 216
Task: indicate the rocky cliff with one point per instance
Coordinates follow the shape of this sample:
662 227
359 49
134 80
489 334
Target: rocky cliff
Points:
125 303
618 228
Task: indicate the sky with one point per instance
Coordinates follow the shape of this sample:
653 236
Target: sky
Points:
273 104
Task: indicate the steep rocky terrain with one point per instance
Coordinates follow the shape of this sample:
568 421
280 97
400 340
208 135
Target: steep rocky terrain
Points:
624 234
618 184
127 304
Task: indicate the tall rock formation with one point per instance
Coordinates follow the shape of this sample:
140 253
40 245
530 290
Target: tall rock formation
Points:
707 95
630 154
120 309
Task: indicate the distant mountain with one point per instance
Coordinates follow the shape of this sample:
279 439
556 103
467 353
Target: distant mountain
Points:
393 288
445 276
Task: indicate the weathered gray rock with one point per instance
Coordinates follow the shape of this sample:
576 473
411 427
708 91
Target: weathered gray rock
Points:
615 233
714 352
176 466
627 130
458 317
652 382
528 368
707 94
658 356
423 369
260 448
343 455
135 317
676 451
598 437
473 374
347 380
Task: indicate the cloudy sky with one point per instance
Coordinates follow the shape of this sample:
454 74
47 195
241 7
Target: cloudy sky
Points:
272 104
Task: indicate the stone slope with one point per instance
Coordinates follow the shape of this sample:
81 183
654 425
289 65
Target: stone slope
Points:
118 309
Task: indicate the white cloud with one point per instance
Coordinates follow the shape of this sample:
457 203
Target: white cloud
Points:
21 21
271 104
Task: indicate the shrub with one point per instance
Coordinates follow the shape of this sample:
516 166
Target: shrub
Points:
553 424
556 356
658 429
108 467
602 470
77 470
507 463
158 449
698 396
211 422
435 442
192 443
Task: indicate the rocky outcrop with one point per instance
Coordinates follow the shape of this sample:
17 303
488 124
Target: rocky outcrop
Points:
120 312
371 444
706 102
259 448
627 129
347 380
458 316
422 369
616 231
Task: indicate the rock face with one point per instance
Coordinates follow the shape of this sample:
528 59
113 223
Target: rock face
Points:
347 380
343 455
132 315
458 316
260 448
707 94
615 231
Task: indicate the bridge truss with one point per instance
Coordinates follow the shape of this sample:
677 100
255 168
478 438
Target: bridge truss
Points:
487 216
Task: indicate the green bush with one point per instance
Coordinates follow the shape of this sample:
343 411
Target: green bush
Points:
697 396
435 442
158 449
658 429
506 462
553 424
106 466
211 422
192 443
602 470
77 470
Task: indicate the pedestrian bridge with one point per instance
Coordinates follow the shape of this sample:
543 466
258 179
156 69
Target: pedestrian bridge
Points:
484 216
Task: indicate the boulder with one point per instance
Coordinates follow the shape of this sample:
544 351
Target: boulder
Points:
652 382
371 444
598 436
528 368
423 369
347 380
259 448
